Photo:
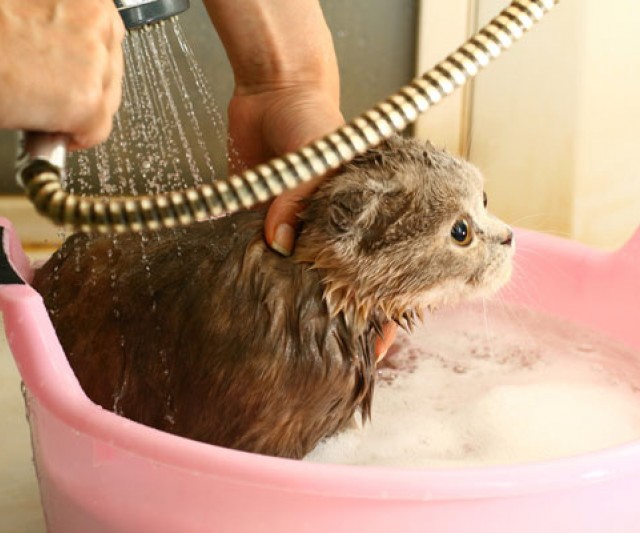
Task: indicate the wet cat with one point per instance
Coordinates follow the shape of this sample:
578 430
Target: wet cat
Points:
207 333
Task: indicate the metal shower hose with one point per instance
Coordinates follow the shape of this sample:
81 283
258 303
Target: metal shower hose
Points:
40 176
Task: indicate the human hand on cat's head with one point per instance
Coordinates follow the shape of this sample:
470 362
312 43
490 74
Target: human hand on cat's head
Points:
268 123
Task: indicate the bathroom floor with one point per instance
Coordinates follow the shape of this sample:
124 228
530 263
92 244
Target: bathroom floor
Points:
20 510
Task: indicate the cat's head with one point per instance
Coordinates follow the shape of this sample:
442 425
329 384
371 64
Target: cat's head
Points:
403 228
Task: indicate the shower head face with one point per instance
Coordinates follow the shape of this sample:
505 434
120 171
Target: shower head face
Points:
138 13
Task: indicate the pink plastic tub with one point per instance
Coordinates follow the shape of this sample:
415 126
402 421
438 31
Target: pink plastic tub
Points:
99 472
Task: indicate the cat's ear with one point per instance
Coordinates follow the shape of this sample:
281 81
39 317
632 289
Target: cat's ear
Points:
365 209
352 208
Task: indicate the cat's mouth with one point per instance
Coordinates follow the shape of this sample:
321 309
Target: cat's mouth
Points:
494 277
482 284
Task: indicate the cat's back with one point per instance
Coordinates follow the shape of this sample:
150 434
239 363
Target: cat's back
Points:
124 306
207 333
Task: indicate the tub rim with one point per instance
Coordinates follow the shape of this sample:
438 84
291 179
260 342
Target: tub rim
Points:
24 314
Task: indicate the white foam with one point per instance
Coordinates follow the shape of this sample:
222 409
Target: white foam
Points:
520 387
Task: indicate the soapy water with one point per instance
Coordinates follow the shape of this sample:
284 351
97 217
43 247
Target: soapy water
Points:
527 387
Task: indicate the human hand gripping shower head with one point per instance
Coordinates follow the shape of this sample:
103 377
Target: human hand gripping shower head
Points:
39 151
41 165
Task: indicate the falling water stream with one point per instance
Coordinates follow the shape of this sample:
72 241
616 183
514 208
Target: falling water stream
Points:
158 142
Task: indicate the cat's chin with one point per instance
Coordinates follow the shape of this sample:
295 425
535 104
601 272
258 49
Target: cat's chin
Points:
444 295
454 292
492 281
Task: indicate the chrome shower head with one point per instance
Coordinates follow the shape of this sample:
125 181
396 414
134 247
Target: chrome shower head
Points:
137 13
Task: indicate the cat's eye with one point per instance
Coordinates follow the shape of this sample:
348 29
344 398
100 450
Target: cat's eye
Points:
484 198
461 233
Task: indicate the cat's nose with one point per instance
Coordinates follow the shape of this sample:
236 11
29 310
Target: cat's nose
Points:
508 240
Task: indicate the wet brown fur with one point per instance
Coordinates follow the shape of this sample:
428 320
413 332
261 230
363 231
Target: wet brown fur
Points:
206 333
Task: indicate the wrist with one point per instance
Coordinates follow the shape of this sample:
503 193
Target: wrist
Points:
276 44
282 64
282 81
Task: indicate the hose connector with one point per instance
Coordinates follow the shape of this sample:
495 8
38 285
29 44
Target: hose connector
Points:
48 148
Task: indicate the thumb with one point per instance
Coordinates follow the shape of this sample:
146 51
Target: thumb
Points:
282 216
384 342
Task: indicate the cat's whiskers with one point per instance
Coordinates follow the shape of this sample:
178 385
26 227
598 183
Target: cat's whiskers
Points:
527 297
562 272
539 227
524 285
486 327
529 216
513 313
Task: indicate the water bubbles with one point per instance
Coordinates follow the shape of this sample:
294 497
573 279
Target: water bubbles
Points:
528 392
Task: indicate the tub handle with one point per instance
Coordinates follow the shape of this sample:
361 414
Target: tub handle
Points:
8 276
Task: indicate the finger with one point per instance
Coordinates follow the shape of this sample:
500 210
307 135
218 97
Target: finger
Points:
100 122
384 342
282 216
113 79
299 122
98 119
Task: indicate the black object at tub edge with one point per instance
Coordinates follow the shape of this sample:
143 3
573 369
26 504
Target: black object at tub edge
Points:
8 276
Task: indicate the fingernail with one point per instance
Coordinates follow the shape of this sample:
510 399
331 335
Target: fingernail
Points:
283 240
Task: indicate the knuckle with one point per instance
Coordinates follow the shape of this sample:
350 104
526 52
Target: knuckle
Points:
93 12
100 20
98 132
103 132
93 50
119 31
87 97
114 98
